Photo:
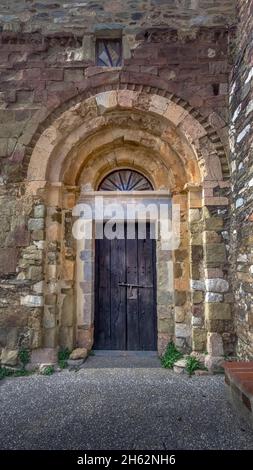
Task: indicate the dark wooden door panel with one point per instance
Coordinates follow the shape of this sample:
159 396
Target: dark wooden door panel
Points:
132 295
125 316
118 295
102 338
147 295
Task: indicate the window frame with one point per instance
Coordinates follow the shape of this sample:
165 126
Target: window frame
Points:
109 39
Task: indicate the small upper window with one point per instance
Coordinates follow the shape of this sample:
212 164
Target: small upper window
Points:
109 52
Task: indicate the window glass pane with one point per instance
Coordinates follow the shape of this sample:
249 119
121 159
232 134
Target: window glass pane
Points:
109 52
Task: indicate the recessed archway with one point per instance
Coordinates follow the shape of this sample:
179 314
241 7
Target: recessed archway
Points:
139 129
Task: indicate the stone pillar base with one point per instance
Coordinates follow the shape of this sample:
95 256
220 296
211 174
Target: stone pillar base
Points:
214 364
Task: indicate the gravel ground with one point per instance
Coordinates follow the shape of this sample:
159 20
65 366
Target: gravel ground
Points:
117 407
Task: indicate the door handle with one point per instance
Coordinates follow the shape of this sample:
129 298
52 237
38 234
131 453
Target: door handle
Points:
122 284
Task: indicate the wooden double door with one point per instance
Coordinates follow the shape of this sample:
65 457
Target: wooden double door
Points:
125 294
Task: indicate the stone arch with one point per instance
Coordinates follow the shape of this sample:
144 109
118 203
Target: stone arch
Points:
195 126
77 145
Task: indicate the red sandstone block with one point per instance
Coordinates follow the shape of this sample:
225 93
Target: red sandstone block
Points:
8 260
31 73
216 201
107 78
52 74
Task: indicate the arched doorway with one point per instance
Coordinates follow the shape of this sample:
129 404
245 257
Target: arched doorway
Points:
125 277
160 136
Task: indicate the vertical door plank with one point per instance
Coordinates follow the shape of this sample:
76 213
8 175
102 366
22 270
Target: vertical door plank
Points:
147 296
118 294
133 333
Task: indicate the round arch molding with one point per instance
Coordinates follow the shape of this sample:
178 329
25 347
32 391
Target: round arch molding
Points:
193 125
114 124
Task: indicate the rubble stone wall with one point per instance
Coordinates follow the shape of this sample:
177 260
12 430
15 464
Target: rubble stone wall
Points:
179 49
241 138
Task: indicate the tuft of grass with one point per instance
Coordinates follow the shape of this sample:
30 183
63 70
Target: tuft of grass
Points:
21 373
192 364
49 370
6 372
63 364
63 356
24 357
171 356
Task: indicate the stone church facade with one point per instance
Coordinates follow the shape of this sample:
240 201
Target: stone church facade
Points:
172 102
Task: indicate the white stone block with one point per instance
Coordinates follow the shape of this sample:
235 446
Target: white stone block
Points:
217 285
213 297
32 301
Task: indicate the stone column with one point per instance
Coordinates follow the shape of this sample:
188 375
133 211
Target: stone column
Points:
31 270
165 298
52 260
218 314
181 279
195 217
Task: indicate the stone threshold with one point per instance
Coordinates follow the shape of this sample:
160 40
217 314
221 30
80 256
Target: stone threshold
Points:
118 353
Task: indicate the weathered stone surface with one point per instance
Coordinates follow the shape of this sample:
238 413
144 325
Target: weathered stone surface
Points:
217 285
197 297
35 273
198 339
182 330
9 357
179 315
67 315
215 344
197 285
214 364
32 301
218 311
44 356
79 353
213 297
35 224
39 212
214 223
179 366
215 254
8 260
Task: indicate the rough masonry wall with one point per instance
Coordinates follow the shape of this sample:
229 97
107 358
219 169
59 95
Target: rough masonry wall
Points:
47 54
85 16
241 115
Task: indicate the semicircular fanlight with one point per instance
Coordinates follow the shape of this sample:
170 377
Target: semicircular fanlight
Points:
125 180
